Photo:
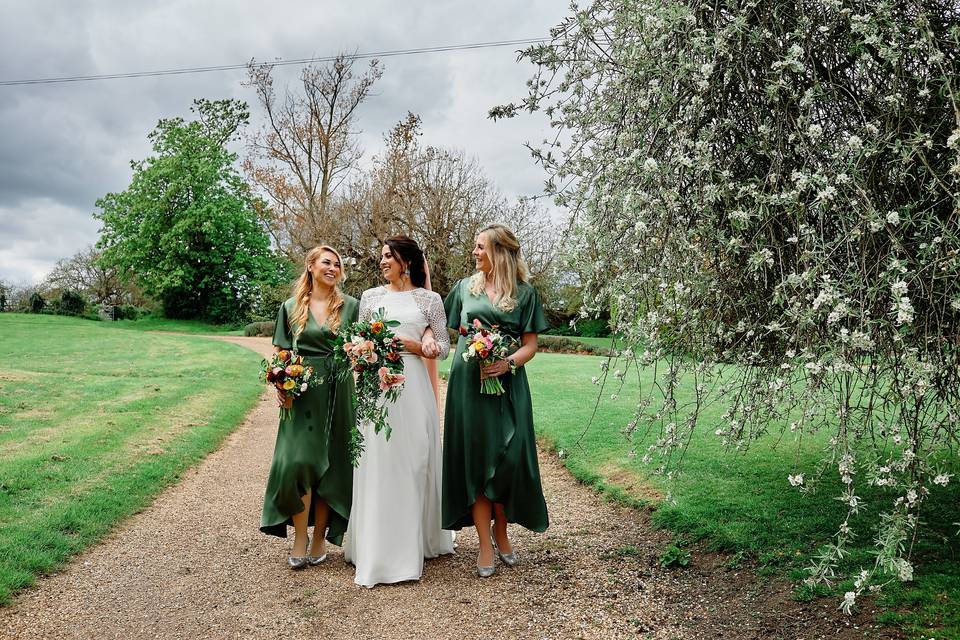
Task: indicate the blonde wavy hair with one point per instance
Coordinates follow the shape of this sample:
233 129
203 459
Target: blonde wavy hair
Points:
304 286
508 270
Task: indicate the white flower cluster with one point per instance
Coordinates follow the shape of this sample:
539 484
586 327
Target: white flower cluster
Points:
770 257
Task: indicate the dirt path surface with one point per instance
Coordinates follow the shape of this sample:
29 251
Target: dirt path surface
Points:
194 565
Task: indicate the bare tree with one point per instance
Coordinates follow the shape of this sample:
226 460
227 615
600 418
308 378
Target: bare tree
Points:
438 197
84 273
308 147
18 296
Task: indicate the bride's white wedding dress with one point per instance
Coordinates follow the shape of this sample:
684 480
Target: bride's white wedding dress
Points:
395 518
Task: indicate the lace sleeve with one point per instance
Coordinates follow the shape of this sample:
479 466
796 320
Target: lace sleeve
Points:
366 310
437 318
370 301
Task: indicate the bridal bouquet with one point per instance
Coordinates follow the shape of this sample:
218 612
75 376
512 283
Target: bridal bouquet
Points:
486 346
286 371
372 352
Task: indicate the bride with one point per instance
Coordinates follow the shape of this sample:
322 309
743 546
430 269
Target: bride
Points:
395 519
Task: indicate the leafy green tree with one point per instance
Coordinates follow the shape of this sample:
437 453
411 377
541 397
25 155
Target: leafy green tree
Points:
187 226
767 193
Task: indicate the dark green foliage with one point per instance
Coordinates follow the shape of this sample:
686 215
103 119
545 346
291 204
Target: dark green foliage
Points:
187 226
595 328
72 304
37 303
673 556
566 344
129 312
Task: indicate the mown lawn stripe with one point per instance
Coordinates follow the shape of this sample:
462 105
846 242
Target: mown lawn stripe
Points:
94 422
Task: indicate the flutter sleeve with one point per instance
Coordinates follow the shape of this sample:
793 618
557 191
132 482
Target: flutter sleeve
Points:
453 306
351 308
533 318
438 322
282 336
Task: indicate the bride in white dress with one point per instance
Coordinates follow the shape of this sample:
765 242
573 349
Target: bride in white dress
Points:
395 518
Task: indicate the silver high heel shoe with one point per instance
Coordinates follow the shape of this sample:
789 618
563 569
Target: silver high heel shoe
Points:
315 560
509 559
486 572
299 562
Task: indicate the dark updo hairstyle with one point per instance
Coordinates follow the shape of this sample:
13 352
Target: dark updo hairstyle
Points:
407 250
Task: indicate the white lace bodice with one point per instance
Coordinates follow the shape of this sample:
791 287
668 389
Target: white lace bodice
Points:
415 310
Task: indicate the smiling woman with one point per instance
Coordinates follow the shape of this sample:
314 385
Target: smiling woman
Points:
89 434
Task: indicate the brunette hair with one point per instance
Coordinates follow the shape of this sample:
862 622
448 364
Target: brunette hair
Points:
407 250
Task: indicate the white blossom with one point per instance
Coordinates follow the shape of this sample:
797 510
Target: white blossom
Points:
849 599
904 570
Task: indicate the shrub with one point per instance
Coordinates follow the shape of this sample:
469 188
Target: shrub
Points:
587 328
129 312
265 328
37 303
566 344
72 303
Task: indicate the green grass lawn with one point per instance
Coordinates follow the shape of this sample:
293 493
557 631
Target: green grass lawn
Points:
740 503
154 323
94 422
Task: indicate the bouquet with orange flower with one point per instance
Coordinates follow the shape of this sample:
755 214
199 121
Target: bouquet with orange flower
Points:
486 346
372 352
286 371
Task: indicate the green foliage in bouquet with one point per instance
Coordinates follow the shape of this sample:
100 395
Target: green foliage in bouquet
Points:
371 352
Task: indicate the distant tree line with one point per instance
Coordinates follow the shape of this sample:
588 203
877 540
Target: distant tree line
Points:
200 233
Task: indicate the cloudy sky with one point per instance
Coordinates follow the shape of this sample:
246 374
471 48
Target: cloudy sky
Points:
62 146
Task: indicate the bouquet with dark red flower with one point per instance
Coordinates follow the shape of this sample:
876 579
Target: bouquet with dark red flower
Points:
286 371
372 352
486 346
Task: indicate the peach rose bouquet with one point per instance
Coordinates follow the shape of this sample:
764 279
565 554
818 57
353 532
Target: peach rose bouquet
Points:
372 352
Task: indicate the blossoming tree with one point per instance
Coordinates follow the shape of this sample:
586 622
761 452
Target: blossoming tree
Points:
767 193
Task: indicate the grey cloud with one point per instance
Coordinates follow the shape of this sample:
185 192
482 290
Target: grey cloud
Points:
64 146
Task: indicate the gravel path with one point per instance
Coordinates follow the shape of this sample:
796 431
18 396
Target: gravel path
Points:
194 565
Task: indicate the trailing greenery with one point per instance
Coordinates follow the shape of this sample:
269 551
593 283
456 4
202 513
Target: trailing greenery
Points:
188 224
94 422
767 202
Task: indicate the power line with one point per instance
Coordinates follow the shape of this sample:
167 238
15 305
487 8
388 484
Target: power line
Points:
277 63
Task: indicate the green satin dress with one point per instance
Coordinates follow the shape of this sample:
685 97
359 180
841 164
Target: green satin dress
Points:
489 447
311 453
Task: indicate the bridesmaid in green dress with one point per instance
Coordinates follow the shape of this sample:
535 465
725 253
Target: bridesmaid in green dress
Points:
311 479
490 468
